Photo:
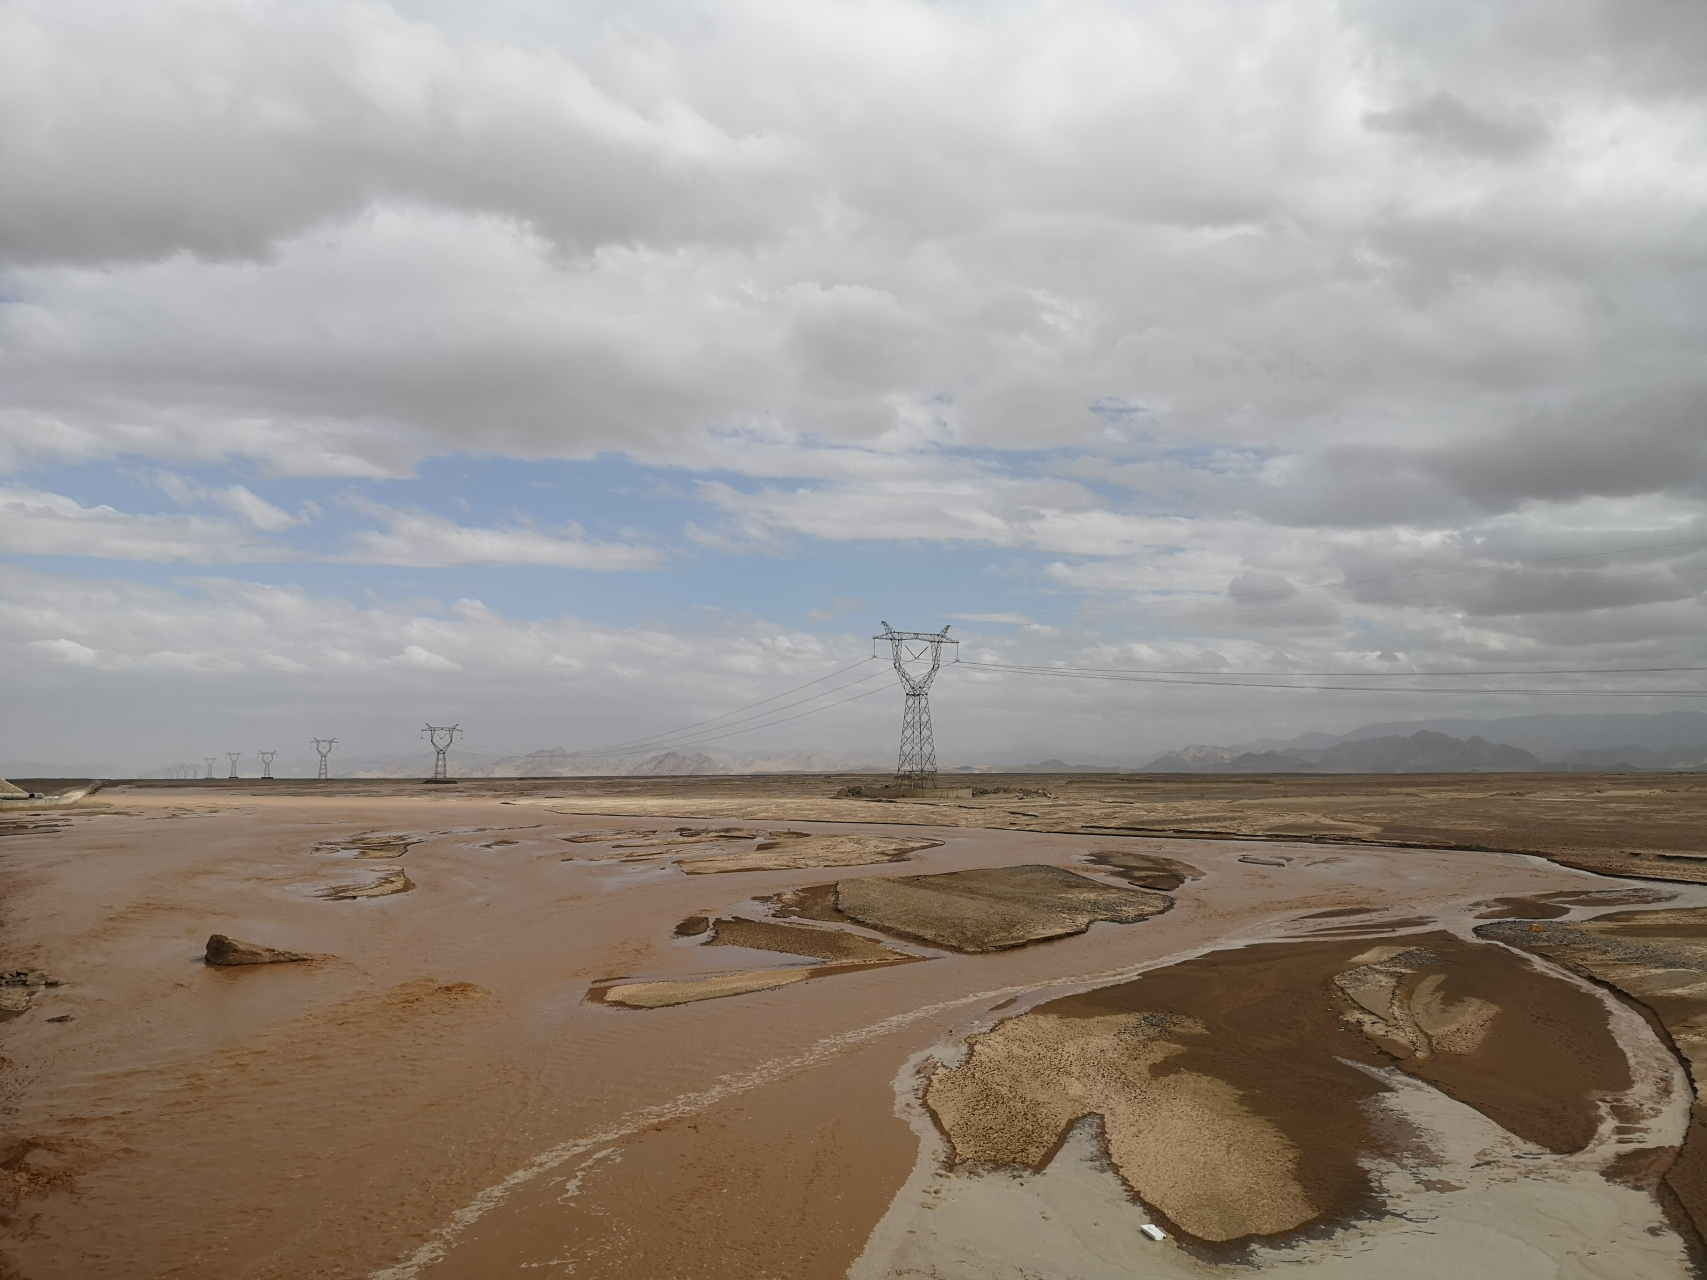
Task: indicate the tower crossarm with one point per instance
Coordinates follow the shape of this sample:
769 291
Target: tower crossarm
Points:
441 736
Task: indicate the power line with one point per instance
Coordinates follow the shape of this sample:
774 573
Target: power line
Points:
1431 573
1380 675
1238 610
670 740
801 715
1091 674
639 743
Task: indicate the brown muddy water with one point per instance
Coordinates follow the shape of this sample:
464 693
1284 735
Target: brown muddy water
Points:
434 1093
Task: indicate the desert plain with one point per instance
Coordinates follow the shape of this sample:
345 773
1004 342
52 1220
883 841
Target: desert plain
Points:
1040 1027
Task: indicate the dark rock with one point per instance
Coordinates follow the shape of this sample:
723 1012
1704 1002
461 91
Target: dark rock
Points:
228 951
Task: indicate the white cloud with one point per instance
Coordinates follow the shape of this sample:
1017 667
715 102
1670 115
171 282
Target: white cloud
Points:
242 502
1166 294
36 523
419 659
344 237
421 540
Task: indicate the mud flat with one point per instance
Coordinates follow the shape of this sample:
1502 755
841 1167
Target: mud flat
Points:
1658 959
1648 826
711 850
449 1091
811 851
1234 1104
1213 1098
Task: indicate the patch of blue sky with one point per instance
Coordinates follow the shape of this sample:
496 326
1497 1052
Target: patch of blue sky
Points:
610 499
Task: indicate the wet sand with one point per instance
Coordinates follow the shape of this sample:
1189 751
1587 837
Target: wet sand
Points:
1657 960
440 1098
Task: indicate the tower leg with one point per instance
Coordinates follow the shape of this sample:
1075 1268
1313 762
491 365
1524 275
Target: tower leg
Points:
918 751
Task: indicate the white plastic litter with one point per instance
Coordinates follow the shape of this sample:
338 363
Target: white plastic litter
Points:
1153 1231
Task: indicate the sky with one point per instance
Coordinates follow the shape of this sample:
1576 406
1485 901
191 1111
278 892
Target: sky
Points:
578 373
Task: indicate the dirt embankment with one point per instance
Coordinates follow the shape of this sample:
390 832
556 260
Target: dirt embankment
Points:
1228 1087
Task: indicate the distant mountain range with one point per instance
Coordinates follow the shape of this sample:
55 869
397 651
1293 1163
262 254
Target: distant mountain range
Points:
1551 737
1674 740
1421 752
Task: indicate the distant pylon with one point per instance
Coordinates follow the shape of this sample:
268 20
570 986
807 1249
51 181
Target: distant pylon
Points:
234 757
440 768
266 762
917 763
324 747
210 760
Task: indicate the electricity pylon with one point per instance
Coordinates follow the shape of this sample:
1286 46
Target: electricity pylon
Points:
266 762
324 747
917 764
210 760
432 732
234 757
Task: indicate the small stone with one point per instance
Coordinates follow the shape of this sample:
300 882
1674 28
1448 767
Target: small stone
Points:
222 950
64 1017
13 1003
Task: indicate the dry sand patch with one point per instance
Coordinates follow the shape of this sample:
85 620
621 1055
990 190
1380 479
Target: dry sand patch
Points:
811 851
608 837
371 844
669 992
845 952
991 909
821 944
391 881
685 836
768 850
1146 870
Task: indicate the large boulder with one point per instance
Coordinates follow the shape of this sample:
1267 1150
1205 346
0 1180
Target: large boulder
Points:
224 950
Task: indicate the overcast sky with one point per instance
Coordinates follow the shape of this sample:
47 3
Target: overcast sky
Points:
578 372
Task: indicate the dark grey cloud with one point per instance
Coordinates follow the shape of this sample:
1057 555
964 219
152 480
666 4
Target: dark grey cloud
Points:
1444 119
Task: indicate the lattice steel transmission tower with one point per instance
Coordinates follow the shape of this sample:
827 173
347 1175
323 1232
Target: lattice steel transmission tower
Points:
910 649
234 757
324 747
266 762
432 732
210 760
